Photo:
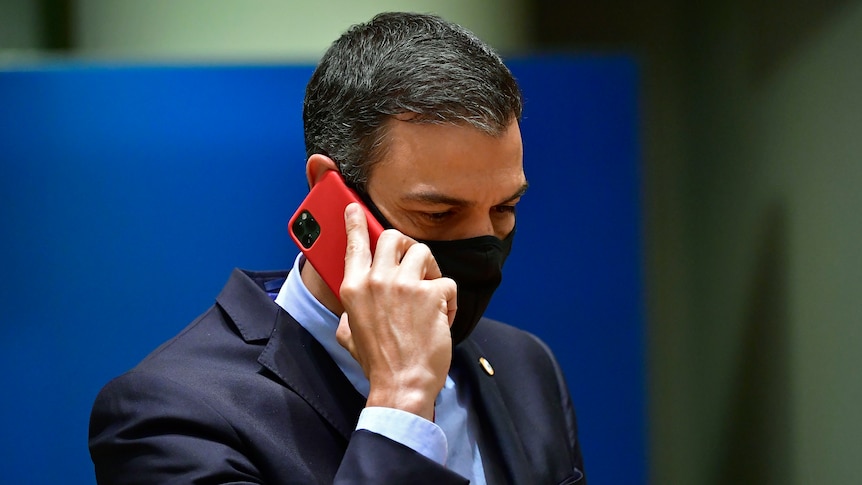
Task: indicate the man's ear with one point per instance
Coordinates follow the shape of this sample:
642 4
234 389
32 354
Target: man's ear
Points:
316 166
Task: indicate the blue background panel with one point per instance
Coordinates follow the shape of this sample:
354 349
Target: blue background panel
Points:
130 192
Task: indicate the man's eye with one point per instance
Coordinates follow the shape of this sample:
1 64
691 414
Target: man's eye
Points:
437 216
505 209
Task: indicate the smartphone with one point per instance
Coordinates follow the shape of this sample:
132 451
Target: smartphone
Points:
317 227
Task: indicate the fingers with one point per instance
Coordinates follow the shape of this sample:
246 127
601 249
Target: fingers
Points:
357 257
344 336
398 310
449 291
414 259
419 262
392 246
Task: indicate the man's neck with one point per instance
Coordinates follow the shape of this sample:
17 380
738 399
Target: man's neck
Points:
312 280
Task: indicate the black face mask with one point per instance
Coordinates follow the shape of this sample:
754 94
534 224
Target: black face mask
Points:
476 265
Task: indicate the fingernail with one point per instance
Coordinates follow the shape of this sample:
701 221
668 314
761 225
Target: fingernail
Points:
351 209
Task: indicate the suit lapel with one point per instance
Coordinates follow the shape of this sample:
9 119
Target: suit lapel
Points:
303 365
291 353
500 436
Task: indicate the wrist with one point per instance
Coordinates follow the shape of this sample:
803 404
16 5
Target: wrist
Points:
412 400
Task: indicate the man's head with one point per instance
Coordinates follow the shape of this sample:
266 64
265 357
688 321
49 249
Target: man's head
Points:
419 67
422 118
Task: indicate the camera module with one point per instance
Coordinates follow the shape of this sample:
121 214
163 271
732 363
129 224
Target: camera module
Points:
306 229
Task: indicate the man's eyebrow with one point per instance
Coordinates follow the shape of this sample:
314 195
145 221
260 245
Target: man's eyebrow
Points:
518 193
430 197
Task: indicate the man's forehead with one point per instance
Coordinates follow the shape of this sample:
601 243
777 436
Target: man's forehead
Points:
406 126
432 153
429 195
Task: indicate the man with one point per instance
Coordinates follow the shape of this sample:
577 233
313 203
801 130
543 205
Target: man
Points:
398 379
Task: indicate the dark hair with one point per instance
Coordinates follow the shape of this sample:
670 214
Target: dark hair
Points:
402 63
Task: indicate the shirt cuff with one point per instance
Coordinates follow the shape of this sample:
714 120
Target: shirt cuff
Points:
412 431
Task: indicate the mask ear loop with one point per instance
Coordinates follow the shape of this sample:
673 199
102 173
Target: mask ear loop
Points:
371 206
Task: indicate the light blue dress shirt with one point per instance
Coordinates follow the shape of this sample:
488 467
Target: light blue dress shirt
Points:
451 440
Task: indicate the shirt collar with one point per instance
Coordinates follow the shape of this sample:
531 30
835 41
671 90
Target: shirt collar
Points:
321 323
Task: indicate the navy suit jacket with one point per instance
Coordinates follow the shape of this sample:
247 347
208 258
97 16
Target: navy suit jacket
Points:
246 395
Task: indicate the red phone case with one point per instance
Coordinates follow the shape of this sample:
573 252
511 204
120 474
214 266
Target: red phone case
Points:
325 205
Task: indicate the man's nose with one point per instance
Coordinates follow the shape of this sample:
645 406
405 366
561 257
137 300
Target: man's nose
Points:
481 225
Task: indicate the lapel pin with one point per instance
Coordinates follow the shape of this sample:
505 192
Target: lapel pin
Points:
486 365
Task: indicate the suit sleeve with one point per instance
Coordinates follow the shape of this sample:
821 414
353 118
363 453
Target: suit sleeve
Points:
569 414
391 463
148 429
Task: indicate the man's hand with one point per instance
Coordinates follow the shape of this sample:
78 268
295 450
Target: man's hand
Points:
398 310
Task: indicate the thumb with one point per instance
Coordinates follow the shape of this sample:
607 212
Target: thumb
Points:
344 336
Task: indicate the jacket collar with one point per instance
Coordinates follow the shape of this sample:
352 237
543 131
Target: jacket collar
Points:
295 358
501 442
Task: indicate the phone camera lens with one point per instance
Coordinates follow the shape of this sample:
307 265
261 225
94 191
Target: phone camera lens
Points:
306 229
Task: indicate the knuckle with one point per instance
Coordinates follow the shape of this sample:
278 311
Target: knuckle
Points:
352 247
377 281
449 285
401 287
388 234
349 289
422 249
351 227
396 237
